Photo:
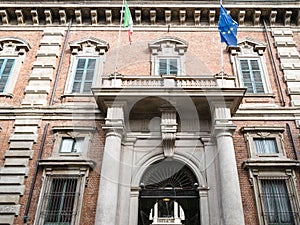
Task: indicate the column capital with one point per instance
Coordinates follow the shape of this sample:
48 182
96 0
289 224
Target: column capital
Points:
223 130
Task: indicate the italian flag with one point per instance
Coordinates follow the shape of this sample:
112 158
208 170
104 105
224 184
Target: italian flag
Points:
128 22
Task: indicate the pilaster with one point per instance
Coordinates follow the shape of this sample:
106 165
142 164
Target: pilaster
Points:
108 195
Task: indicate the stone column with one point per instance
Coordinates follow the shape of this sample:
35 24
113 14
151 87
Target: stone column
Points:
230 193
134 206
107 204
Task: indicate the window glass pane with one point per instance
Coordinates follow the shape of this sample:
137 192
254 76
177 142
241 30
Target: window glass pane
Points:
61 198
265 145
78 146
251 75
276 202
84 75
162 67
5 72
67 145
173 66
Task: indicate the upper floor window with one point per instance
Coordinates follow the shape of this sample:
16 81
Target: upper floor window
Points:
6 68
168 66
264 142
168 56
12 54
84 75
86 67
250 67
251 75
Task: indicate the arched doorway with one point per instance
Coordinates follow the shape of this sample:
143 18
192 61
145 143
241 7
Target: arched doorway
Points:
168 195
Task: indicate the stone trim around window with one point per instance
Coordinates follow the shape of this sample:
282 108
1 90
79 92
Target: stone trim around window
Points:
168 48
284 174
51 170
86 48
276 133
78 133
14 48
250 49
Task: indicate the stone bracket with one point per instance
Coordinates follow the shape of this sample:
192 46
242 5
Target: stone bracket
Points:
168 131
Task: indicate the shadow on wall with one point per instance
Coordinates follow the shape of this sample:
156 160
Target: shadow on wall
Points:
135 59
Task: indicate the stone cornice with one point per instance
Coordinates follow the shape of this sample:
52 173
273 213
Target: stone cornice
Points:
180 13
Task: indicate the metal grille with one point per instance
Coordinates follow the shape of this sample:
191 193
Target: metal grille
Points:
61 198
277 202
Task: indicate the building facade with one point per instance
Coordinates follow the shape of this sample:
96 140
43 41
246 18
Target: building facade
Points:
175 128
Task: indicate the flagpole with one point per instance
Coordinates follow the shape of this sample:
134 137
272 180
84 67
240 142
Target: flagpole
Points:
222 57
119 43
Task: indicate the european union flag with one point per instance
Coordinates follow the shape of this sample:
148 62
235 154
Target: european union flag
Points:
227 27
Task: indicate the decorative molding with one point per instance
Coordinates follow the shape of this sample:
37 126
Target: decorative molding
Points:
168 130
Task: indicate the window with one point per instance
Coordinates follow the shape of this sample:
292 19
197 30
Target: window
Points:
72 141
265 145
86 66
84 75
249 66
12 54
6 68
71 145
265 142
61 197
168 56
276 203
251 75
167 66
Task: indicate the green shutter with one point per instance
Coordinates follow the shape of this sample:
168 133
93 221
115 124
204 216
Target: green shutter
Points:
167 66
84 75
251 75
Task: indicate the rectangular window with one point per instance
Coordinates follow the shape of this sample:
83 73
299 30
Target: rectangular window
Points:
276 203
6 68
84 75
265 145
167 66
251 75
61 198
71 145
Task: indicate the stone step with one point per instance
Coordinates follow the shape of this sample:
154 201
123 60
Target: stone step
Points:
12 189
28 121
16 162
23 137
14 171
10 209
9 199
19 153
21 145
7 219
11 179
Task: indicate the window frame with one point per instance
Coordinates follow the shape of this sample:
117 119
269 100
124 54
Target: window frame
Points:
252 78
13 48
75 141
250 49
50 171
256 175
168 66
251 133
2 68
168 48
84 133
84 74
86 48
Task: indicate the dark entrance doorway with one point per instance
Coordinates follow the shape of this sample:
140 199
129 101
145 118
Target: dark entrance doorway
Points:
169 195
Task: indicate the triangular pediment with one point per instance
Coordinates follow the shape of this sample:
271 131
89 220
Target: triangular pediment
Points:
99 45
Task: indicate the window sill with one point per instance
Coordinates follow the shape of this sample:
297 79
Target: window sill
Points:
8 95
77 95
260 95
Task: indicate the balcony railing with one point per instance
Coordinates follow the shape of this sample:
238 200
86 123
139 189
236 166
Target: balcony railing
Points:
158 81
